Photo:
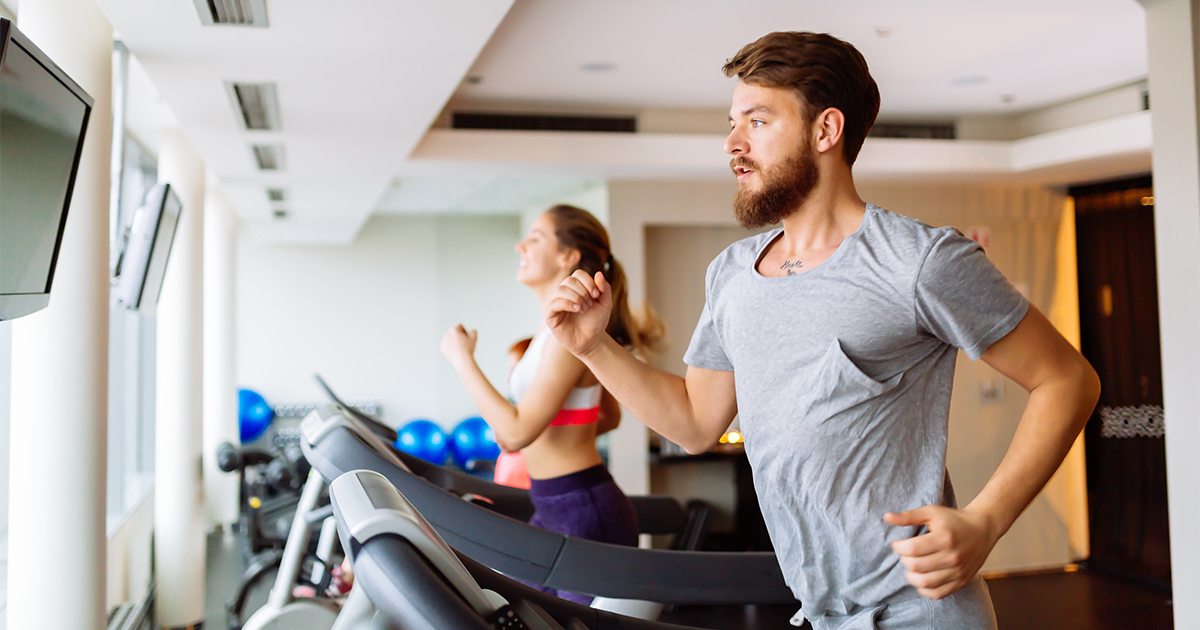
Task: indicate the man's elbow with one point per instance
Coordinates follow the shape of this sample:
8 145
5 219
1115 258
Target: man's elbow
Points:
1092 383
1088 383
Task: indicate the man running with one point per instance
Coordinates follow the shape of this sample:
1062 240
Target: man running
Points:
835 338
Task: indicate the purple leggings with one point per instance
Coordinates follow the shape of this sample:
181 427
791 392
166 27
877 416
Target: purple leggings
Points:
585 504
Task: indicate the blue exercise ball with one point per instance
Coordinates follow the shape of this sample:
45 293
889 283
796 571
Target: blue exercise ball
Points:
424 439
473 439
254 415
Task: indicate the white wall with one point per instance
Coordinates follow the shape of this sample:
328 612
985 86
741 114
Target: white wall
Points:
369 316
5 385
1024 223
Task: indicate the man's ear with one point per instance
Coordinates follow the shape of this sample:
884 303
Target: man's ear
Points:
828 129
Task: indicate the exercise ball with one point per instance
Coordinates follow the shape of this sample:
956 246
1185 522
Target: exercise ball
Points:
424 439
473 439
254 415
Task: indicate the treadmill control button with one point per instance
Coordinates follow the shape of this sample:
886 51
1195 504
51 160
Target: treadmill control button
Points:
506 619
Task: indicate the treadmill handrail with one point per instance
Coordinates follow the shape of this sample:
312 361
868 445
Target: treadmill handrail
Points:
543 557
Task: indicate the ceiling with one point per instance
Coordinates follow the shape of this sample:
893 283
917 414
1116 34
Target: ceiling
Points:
939 57
361 81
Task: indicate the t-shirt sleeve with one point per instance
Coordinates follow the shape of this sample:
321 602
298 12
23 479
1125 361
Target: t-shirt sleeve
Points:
706 350
962 299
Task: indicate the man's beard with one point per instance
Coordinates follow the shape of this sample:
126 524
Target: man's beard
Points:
784 189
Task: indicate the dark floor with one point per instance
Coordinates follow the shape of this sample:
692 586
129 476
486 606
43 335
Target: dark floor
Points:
1082 600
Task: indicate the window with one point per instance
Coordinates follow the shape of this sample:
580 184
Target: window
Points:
130 365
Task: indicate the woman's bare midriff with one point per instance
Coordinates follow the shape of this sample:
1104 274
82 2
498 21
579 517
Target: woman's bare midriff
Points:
565 449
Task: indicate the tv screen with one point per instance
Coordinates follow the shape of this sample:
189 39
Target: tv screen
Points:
43 116
143 263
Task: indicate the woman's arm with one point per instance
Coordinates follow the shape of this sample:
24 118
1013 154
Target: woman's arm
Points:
610 413
515 426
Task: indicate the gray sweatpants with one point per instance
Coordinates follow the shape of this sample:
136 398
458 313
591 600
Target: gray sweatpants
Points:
968 609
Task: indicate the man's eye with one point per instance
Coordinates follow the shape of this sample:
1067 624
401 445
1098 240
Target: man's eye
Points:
757 123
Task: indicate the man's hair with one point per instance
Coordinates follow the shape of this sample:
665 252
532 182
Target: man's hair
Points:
823 70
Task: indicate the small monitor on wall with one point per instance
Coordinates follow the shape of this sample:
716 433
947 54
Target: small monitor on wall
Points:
143 262
43 117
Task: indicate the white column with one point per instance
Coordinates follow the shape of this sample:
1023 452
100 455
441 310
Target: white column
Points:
179 520
1171 28
220 387
629 444
56 555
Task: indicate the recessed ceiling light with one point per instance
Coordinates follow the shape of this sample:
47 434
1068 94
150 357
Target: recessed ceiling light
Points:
968 81
598 66
883 31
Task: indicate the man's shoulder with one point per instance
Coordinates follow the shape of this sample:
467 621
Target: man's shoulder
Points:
902 226
910 239
743 253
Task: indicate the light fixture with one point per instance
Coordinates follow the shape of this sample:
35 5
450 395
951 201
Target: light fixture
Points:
969 80
597 66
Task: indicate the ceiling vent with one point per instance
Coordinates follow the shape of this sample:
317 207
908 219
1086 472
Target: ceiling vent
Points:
269 157
921 131
256 104
232 12
275 194
508 121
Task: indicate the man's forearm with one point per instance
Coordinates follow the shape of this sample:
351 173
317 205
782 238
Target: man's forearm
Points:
1053 418
657 398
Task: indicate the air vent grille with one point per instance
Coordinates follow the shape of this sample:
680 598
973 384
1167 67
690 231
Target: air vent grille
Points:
542 122
256 104
276 194
232 12
269 157
921 131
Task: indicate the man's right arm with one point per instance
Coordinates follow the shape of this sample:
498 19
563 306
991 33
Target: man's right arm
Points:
691 412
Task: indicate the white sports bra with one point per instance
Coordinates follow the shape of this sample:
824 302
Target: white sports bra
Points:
583 403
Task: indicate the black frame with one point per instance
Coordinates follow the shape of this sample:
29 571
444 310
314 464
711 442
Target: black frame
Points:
10 34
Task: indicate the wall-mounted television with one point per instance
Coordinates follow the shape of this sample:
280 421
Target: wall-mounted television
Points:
143 262
43 117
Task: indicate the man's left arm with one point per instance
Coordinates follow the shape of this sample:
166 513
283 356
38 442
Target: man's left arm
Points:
1063 390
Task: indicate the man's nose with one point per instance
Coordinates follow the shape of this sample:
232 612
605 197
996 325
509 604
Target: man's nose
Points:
735 142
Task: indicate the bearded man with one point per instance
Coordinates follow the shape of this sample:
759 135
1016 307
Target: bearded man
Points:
835 338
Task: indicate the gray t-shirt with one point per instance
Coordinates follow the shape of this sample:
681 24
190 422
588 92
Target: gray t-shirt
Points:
843 377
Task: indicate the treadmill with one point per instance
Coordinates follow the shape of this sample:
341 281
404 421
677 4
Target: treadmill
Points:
336 442
655 514
408 578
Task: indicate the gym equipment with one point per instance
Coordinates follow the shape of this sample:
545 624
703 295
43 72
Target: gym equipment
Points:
254 415
44 117
408 577
283 609
146 246
424 439
335 442
656 514
473 440
270 487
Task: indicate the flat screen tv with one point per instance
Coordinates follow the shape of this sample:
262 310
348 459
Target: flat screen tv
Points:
143 262
43 116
